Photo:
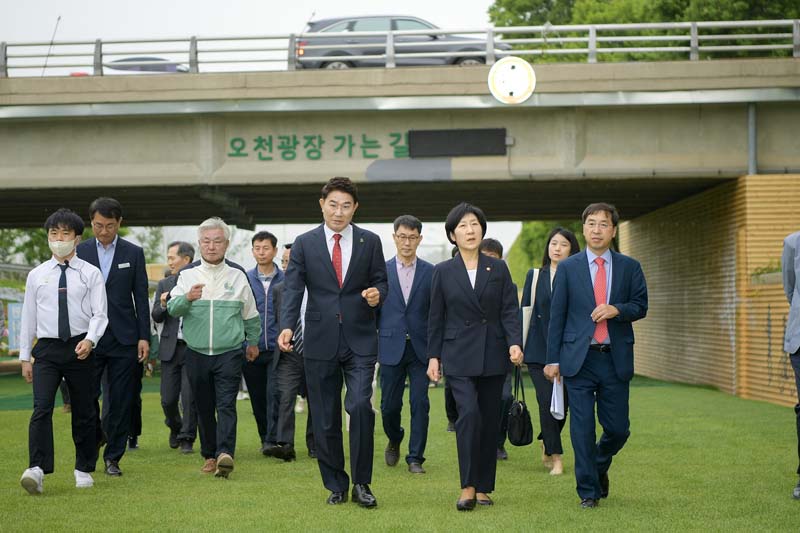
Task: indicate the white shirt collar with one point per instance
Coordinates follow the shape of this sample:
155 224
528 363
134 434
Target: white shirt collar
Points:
75 261
347 233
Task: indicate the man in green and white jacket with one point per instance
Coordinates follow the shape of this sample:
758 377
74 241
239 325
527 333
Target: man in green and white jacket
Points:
219 313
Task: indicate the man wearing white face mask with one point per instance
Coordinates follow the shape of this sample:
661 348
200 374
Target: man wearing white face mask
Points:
65 309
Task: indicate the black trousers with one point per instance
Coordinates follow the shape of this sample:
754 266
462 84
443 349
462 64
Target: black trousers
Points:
795 359
324 379
478 401
214 380
136 402
119 362
393 379
263 391
449 403
291 379
551 428
56 360
176 395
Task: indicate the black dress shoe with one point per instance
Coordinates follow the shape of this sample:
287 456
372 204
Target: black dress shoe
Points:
466 505
312 453
336 498
796 492
186 447
285 452
415 468
363 496
392 453
173 440
451 427
604 485
268 449
589 503
502 454
487 501
133 443
112 468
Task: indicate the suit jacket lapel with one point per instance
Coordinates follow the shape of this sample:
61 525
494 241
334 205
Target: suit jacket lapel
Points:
394 280
462 278
418 273
483 275
322 250
586 276
356 253
92 258
616 277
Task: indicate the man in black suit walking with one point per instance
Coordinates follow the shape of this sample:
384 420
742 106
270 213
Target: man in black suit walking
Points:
171 353
126 342
342 267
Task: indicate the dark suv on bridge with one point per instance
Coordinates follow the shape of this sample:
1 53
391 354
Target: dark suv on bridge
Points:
376 45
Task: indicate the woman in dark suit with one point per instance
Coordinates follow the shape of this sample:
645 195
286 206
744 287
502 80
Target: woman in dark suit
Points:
474 329
561 243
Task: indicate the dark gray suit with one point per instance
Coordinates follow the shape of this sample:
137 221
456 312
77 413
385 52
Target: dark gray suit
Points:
290 376
790 264
174 380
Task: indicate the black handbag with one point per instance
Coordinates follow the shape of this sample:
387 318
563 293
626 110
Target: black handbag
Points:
520 429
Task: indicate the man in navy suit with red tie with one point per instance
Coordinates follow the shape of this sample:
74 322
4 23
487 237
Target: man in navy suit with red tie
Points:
597 295
342 268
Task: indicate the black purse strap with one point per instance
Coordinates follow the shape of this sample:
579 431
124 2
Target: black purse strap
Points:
518 385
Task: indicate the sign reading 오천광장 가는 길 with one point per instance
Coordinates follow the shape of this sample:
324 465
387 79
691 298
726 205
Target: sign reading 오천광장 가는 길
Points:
291 147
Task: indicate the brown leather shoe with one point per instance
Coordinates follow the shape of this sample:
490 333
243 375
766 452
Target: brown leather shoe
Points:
209 467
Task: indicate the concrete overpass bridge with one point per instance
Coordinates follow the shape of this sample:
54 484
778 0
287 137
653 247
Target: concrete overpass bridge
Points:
701 157
255 147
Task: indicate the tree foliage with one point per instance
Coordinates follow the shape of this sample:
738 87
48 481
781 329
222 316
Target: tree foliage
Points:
528 250
29 246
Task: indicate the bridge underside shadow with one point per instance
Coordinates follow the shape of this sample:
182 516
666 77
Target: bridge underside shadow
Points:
247 205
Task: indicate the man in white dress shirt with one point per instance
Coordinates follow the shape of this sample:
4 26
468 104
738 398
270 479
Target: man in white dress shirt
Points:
65 309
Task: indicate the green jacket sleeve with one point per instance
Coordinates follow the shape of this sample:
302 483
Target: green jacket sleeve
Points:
179 305
252 330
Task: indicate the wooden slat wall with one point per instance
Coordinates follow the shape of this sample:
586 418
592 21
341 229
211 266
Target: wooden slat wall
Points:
687 251
772 212
710 320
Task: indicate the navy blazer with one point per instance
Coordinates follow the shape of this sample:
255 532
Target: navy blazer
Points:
329 305
571 326
470 329
169 332
126 290
269 326
536 343
398 318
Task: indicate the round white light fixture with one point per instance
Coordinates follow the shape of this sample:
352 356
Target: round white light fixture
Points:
512 80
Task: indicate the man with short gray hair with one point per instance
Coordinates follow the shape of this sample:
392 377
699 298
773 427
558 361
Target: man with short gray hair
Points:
219 313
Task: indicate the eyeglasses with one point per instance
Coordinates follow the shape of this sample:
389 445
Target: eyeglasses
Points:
209 242
602 225
104 227
410 238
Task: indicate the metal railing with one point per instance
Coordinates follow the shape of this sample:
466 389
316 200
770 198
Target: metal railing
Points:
591 43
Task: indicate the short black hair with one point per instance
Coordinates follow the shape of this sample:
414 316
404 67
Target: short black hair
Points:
492 246
343 184
184 249
409 221
288 245
107 207
66 219
265 236
591 209
574 246
460 211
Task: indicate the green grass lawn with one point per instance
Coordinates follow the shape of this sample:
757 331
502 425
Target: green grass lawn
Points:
697 460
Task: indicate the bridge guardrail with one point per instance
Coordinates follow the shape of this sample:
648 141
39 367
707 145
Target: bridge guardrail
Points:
588 42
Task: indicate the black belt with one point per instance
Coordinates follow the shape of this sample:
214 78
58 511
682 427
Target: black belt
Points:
605 348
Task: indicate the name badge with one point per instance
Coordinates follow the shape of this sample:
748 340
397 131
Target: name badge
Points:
124 265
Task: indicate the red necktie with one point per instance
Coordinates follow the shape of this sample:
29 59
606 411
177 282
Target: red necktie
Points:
601 329
337 258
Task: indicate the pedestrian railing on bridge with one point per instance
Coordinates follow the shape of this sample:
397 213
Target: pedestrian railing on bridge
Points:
589 43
